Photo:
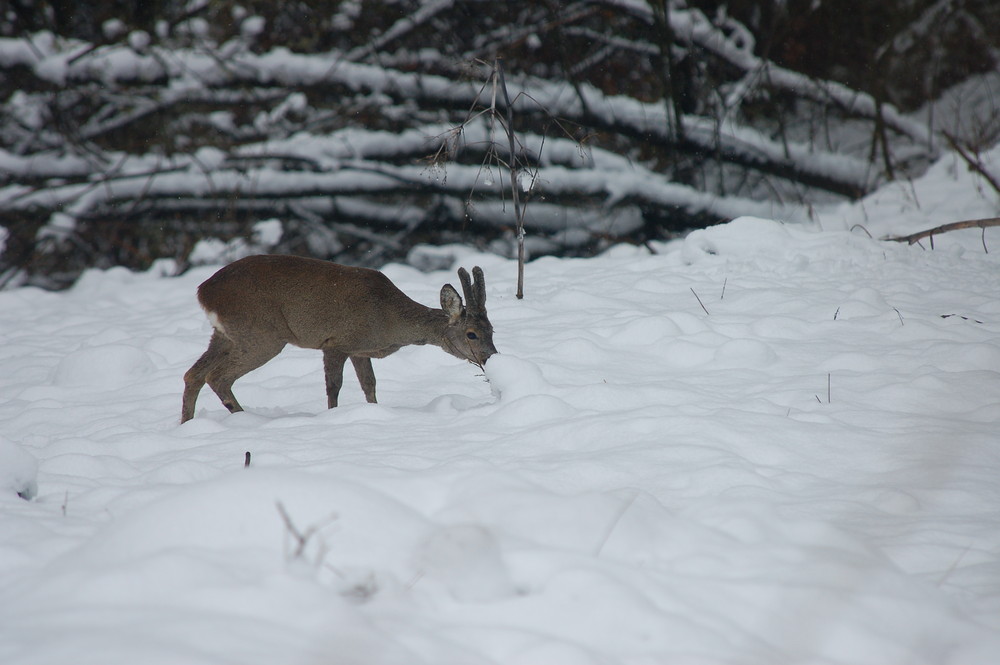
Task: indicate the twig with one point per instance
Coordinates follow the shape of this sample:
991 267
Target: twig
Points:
953 567
300 537
861 226
699 301
478 362
829 391
964 318
246 460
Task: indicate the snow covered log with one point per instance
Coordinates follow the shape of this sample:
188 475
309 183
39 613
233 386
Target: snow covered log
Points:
363 133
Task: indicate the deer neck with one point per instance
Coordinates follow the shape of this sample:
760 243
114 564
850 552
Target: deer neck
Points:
425 325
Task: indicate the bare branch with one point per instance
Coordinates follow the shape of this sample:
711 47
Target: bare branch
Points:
973 163
945 228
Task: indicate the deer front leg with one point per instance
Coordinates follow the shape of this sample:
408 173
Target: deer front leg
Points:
333 367
366 376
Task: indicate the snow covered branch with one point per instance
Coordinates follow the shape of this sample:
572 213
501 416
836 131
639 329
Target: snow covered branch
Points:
582 104
129 142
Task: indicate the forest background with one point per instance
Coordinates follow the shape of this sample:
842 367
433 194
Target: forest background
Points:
365 132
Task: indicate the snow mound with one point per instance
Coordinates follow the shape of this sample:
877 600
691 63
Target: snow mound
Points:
466 560
511 377
104 366
744 236
245 511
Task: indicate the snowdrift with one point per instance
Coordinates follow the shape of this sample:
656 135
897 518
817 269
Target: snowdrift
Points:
765 443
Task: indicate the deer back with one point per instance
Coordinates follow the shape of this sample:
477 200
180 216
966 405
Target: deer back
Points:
313 304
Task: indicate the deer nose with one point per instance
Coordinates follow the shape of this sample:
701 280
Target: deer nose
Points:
489 351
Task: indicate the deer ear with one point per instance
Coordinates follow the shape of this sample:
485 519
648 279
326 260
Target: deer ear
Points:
451 303
480 287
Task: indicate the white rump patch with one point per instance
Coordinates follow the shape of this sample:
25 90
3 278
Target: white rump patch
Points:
213 319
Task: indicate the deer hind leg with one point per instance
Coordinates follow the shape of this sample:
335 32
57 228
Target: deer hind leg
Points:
218 348
232 362
366 376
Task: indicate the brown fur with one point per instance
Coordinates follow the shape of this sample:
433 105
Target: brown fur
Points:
259 304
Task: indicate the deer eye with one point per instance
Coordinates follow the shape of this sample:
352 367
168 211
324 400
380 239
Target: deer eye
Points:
471 335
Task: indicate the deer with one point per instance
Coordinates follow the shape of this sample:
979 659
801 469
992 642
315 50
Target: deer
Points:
260 303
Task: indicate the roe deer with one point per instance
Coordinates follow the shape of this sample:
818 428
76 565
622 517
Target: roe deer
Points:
260 303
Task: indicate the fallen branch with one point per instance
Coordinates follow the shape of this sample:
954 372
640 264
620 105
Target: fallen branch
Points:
944 228
972 162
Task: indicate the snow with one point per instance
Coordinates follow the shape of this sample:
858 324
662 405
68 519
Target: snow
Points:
18 471
765 443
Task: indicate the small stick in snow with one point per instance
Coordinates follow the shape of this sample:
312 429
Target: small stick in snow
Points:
700 302
964 318
828 391
246 460
300 537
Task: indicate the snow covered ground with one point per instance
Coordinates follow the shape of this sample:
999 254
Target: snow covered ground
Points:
764 444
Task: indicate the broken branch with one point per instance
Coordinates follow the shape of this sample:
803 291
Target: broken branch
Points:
944 228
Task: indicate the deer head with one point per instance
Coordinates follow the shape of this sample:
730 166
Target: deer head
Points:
469 334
